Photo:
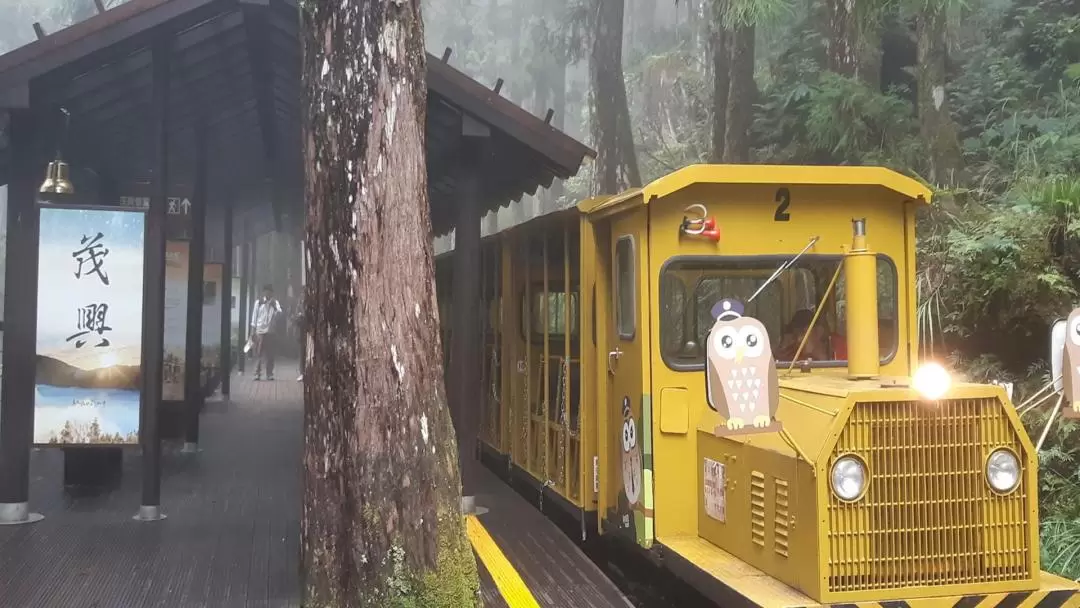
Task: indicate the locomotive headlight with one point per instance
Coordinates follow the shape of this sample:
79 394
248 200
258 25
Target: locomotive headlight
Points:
931 381
848 478
1003 471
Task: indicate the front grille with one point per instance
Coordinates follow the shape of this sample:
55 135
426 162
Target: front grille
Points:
928 516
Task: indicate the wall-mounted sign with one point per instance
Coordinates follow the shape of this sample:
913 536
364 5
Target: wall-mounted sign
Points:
89 326
211 316
176 305
178 223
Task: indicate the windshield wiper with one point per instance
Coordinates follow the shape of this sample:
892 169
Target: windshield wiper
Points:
782 268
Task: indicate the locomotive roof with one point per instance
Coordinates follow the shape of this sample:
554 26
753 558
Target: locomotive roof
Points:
804 175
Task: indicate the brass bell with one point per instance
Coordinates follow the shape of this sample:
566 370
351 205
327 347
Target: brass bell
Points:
63 179
49 185
57 179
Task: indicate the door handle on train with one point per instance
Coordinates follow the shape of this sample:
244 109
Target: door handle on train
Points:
613 356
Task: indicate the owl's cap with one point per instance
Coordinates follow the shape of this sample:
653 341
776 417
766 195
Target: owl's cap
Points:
727 308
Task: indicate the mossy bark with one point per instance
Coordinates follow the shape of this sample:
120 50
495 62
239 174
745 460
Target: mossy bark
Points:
741 96
381 522
720 42
938 130
616 167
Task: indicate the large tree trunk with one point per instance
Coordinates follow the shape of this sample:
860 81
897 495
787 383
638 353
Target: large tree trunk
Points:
382 522
868 59
743 91
558 91
937 128
843 38
721 60
616 167
853 45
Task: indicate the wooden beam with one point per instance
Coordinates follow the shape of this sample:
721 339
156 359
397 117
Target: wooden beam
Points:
20 321
226 299
193 389
466 360
15 97
262 82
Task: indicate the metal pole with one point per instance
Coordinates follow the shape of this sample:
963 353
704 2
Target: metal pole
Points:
253 282
245 279
20 326
153 342
226 302
193 386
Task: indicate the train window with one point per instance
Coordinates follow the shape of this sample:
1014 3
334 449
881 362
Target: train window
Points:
672 319
626 299
552 314
689 287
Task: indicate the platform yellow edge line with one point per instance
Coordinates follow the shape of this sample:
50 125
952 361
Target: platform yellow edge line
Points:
512 588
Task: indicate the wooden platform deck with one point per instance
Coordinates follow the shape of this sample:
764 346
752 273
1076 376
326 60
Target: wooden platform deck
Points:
232 533
555 571
231 537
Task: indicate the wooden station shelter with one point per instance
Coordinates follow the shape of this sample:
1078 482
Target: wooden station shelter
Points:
157 101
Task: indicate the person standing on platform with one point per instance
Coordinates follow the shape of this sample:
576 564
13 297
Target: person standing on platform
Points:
265 317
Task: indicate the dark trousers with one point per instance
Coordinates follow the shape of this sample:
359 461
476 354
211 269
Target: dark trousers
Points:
264 351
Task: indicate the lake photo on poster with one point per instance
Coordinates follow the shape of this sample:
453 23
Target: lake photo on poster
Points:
78 415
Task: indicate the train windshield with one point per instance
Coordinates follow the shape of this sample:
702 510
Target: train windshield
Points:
689 287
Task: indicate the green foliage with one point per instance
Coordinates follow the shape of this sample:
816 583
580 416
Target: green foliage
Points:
825 118
671 113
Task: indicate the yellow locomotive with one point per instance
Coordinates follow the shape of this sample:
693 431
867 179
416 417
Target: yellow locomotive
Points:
721 367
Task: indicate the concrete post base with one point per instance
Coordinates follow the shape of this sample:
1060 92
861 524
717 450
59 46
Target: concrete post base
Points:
16 513
149 513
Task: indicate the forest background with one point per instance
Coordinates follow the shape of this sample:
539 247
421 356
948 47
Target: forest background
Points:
980 99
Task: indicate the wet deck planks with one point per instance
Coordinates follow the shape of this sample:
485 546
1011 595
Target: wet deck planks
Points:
556 571
231 538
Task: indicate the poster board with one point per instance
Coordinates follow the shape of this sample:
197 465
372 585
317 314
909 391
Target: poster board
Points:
175 339
213 280
89 326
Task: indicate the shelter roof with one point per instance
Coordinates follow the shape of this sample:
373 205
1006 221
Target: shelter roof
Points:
235 67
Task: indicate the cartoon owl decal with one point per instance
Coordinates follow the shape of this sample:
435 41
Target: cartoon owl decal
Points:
1070 366
631 455
740 371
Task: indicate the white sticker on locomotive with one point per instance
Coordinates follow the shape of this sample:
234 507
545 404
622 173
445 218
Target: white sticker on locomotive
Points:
715 497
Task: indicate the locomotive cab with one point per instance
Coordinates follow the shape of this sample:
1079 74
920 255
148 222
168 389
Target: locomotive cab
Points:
762 421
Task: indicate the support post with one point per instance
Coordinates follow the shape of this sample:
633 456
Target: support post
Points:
226 302
193 386
245 278
20 326
153 342
253 282
465 360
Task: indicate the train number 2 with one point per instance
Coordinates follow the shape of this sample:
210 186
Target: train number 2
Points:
783 196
